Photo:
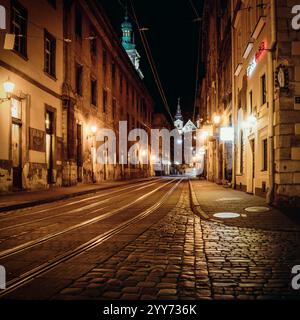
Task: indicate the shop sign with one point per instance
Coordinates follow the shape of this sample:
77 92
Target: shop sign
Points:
256 59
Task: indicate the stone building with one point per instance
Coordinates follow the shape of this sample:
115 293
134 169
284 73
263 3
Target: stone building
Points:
215 99
101 87
31 117
71 76
265 94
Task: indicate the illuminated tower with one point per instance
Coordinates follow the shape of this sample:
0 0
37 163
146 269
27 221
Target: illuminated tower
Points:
178 118
129 45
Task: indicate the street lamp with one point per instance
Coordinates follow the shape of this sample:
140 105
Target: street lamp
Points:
217 119
94 129
8 87
250 123
204 135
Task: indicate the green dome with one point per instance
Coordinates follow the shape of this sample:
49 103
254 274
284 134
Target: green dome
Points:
127 24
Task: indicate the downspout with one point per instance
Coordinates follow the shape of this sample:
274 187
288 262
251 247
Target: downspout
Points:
270 194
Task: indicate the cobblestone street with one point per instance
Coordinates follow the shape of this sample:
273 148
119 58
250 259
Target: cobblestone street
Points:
185 257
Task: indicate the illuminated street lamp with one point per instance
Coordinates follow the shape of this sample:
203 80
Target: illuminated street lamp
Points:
94 129
204 135
217 119
8 87
250 123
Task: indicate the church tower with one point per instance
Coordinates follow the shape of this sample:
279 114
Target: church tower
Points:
178 118
129 45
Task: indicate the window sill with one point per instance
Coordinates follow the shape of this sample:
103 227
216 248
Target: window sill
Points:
20 55
53 77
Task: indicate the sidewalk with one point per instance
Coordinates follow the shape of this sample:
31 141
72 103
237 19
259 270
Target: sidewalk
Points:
24 199
208 199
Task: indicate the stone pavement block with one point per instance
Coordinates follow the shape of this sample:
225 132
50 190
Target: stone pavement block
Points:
184 257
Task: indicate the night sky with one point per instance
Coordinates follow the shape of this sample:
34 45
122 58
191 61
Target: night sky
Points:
173 39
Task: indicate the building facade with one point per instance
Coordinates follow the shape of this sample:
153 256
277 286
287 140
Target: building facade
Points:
215 94
31 121
101 88
72 77
265 114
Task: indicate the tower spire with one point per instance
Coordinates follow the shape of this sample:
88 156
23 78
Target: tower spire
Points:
178 114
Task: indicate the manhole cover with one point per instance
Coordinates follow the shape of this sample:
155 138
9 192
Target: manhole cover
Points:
257 209
229 199
226 215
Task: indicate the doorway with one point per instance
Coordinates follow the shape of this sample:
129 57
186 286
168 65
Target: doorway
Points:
16 146
50 146
251 184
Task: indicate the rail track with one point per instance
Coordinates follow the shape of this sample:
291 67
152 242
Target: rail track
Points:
28 276
86 207
33 243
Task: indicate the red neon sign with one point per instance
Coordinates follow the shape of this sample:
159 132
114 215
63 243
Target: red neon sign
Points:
260 52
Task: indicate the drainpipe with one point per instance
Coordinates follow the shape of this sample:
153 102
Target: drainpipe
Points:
270 194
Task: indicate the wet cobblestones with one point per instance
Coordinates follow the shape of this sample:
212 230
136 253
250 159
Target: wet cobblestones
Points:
183 257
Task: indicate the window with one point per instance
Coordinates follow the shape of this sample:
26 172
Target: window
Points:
265 155
114 108
104 101
251 102
104 62
50 54
78 22
19 18
94 92
263 90
79 73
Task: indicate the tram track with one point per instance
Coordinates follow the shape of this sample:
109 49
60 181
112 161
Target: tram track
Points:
33 243
8 216
77 210
28 276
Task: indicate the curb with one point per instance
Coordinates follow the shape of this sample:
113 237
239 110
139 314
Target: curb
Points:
195 205
62 197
